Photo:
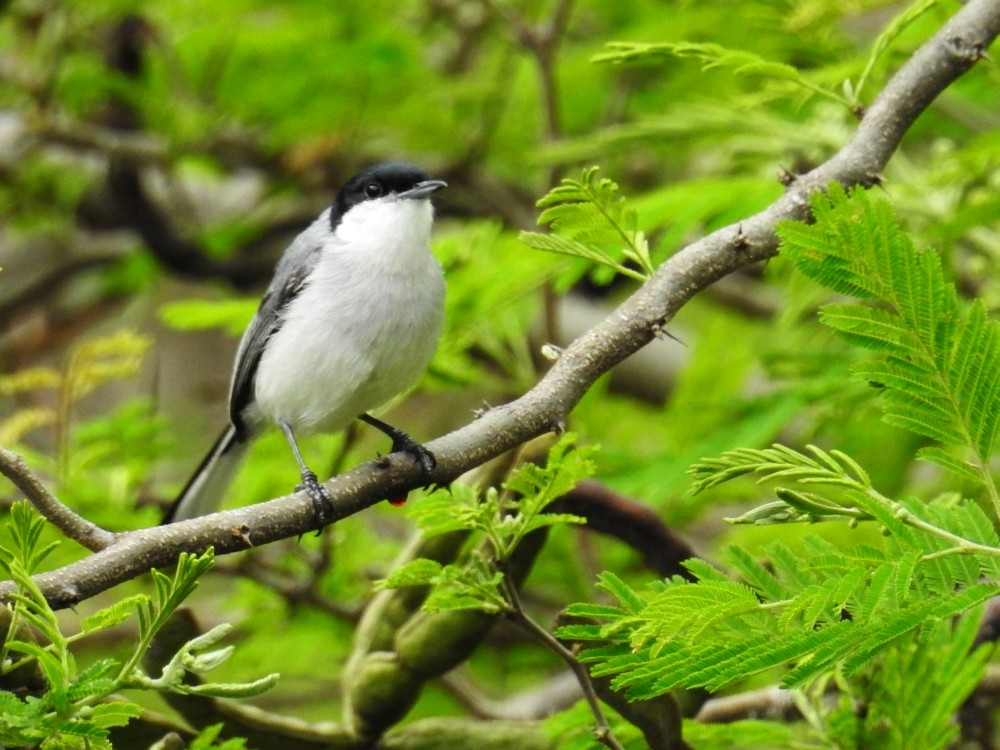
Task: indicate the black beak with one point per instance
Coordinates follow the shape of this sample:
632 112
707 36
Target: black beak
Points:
423 189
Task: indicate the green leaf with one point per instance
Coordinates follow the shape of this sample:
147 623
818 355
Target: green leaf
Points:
615 586
419 572
113 714
599 611
112 615
889 34
940 457
235 689
588 220
232 316
711 55
934 356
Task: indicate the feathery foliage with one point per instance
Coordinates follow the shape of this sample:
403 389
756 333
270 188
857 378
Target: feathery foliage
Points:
499 520
589 221
894 624
889 34
820 609
935 356
90 365
70 710
711 55
100 464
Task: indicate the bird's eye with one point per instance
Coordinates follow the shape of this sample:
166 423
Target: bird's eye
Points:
373 190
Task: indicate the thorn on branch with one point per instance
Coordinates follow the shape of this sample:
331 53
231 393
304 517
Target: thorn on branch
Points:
786 178
243 533
740 240
662 334
70 595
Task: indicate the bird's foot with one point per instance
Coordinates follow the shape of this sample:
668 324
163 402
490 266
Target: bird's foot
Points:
424 458
321 500
403 443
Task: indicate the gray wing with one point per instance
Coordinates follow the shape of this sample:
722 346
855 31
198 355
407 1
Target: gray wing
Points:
289 279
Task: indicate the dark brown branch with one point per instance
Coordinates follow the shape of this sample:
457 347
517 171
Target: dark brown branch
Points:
542 41
184 257
129 42
296 592
626 519
951 52
551 696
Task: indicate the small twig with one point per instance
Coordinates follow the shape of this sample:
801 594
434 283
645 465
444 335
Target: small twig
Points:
603 731
542 41
139 147
74 526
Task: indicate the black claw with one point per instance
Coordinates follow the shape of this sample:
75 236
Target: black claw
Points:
425 458
321 500
403 443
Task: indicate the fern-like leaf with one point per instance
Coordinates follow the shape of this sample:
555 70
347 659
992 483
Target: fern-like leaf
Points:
589 220
936 357
711 55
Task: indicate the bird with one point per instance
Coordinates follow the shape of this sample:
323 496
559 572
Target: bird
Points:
350 319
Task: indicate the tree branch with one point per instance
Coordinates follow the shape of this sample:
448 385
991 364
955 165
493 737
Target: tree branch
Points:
959 44
77 528
602 730
629 521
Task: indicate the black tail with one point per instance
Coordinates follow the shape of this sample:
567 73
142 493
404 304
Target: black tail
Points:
204 490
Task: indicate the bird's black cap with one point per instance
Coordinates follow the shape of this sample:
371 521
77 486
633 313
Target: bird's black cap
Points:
388 178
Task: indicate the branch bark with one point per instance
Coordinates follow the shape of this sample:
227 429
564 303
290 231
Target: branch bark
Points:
959 44
79 529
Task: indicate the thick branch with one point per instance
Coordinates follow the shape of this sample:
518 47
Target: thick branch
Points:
952 51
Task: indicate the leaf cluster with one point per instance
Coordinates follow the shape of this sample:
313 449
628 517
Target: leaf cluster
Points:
47 698
99 462
856 613
934 356
818 611
498 520
90 365
711 55
753 65
590 221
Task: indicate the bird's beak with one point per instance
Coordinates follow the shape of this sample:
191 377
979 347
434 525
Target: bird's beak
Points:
423 189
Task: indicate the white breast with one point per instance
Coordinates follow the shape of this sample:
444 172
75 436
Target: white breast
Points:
365 326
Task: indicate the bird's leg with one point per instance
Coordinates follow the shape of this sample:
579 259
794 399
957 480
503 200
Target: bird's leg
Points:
403 442
322 504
